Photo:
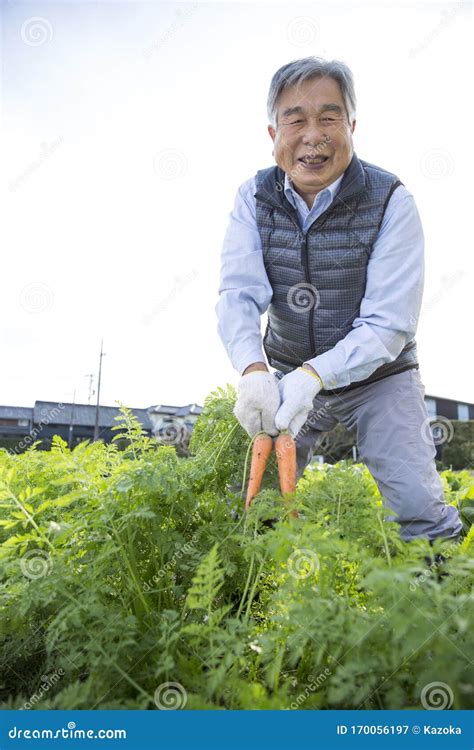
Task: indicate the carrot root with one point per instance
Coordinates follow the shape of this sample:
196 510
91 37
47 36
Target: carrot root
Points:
285 449
261 450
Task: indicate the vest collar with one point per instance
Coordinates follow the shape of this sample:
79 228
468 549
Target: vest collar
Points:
272 188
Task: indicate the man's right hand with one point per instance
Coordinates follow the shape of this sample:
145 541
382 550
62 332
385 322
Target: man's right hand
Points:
258 400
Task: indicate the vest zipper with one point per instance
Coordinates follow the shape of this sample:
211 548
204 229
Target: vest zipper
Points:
304 256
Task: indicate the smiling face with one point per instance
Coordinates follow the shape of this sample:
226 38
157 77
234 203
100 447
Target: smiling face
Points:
313 138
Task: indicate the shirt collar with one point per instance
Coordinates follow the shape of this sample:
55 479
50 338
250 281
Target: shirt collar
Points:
331 189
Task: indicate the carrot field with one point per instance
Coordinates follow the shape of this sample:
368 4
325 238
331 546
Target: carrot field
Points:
132 579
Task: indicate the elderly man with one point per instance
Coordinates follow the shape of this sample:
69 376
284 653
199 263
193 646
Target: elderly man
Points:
332 248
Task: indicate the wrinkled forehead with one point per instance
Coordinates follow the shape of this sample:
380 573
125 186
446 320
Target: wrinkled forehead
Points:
311 96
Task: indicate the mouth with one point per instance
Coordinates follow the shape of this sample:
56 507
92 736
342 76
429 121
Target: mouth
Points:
313 162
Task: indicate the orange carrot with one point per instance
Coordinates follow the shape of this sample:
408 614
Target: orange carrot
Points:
285 449
261 449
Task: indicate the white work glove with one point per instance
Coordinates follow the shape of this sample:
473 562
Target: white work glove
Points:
298 389
258 402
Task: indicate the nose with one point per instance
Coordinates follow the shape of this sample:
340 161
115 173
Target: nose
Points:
313 132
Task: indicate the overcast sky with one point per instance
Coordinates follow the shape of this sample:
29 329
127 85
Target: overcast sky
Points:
128 128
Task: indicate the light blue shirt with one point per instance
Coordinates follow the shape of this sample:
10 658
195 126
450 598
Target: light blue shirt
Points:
390 307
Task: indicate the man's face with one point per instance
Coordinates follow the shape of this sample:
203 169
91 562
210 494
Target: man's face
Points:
312 124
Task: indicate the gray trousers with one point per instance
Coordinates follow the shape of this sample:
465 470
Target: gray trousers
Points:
389 421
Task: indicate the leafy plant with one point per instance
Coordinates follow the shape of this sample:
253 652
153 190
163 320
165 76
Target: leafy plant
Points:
123 570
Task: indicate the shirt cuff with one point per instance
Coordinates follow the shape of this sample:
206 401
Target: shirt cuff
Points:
325 369
243 360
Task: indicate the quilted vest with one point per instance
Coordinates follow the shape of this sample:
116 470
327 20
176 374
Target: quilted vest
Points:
319 278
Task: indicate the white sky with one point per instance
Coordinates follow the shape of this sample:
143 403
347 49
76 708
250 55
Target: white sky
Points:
127 132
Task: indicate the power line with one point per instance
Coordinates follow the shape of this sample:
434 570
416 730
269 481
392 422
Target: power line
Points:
96 426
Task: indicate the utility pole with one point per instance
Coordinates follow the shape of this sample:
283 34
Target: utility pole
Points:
91 392
96 426
69 442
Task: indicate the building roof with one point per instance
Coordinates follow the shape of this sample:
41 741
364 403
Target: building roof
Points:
451 400
16 412
52 412
176 411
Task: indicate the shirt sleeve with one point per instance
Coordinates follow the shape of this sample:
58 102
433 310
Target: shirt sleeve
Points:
244 288
391 304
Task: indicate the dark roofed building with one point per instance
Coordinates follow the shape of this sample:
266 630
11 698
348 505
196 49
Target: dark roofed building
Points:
21 426
15 421
449 408
82 414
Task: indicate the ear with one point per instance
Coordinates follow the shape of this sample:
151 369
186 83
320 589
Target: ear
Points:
353 126
271 131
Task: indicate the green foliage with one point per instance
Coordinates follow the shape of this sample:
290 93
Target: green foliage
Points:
458 451
124 570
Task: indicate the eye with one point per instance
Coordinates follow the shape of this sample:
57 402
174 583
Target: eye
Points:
296 122
328 119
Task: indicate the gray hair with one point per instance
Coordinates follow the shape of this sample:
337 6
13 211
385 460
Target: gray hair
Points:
311 67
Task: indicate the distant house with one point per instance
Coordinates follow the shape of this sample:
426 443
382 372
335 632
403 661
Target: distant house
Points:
21 426
446 407
441 411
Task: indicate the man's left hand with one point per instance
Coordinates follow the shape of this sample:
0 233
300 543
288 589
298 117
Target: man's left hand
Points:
298 389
